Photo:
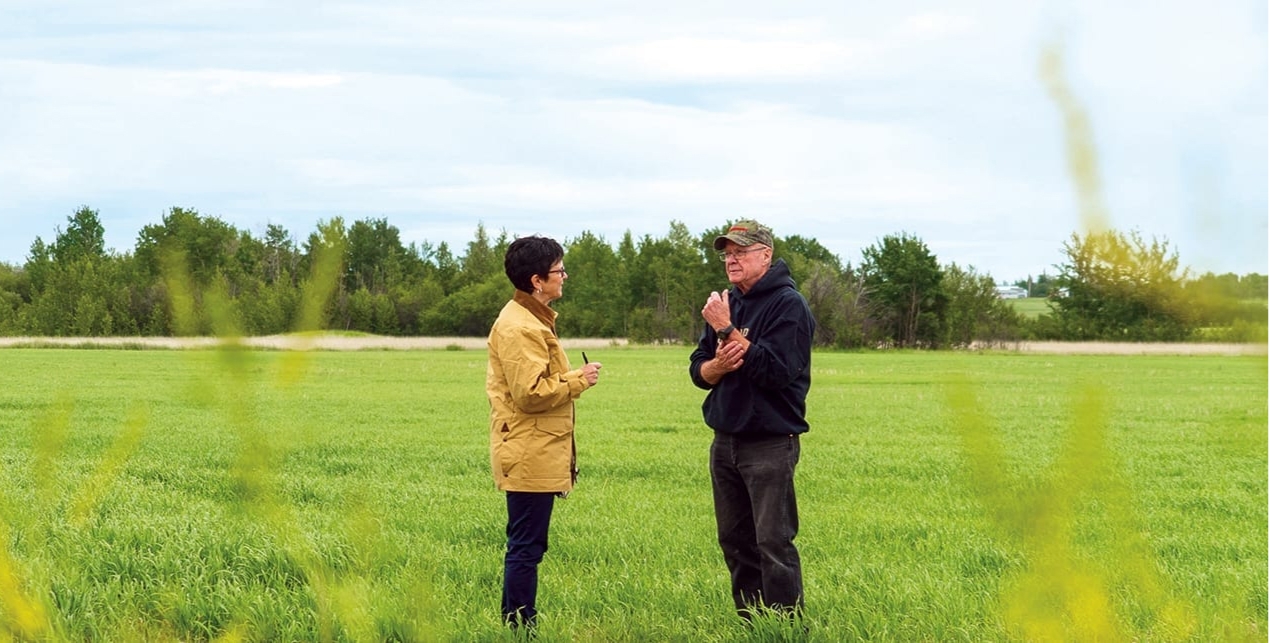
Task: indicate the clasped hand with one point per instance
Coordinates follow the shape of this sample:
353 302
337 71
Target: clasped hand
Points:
716 311
728 355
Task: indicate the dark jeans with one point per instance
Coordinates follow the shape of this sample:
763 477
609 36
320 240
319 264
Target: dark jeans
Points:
528 518
757 518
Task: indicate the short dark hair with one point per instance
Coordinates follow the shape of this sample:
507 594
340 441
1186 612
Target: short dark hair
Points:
529 256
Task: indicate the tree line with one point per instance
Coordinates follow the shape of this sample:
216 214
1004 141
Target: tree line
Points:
192 274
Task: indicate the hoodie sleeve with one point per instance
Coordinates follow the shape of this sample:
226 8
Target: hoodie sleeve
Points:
703 353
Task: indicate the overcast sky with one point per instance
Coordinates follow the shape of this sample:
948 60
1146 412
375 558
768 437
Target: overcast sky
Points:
836 120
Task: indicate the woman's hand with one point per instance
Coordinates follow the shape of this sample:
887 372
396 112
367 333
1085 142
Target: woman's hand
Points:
591 372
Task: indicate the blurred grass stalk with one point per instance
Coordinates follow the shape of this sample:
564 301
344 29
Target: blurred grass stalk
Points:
343 599
1061 596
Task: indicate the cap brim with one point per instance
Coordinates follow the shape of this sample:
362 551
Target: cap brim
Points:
723 239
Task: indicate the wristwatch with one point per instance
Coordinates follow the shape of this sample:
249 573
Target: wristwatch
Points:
725 331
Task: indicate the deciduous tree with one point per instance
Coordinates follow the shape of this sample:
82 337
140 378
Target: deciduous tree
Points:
903 279
1121 287
974 311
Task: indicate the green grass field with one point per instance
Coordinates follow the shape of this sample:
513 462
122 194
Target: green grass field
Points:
272 496
1030 307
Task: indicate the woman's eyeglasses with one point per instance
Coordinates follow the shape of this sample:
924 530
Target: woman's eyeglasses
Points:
562 271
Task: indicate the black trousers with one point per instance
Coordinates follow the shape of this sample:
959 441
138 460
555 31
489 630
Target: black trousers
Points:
528 519
757 518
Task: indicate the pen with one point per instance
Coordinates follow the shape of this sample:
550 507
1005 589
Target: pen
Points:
584 359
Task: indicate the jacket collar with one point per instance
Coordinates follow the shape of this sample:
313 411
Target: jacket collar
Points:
543 312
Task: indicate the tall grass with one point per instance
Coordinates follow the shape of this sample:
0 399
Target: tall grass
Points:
245 495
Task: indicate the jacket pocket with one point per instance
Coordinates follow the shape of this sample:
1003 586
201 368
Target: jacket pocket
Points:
508 452
555 426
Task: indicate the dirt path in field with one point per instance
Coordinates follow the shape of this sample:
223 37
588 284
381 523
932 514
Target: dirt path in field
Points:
1129 348
342 342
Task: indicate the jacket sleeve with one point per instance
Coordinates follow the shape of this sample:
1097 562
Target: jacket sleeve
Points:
536 385
782 351
703 353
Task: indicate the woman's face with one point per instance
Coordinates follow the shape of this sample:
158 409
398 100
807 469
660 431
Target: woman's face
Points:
553 286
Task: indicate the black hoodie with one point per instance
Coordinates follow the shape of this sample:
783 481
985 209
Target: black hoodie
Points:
768 394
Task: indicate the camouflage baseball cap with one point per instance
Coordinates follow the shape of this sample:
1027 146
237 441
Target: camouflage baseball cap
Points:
745 233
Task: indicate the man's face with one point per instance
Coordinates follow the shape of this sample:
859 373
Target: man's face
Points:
746 264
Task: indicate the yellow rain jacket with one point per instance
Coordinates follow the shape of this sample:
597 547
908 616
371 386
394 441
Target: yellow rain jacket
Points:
531 390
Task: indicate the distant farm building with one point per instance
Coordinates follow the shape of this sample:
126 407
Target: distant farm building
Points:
1011 292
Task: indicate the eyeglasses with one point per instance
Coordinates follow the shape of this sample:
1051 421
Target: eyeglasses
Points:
562 271
736 254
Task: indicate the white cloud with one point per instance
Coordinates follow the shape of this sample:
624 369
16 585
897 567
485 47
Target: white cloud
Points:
706 59
933 25
225 81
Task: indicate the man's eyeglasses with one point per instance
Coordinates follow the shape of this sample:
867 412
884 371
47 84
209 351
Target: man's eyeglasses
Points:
736 254
562 271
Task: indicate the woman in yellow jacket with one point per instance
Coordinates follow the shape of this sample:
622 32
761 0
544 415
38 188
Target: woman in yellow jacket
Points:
531 390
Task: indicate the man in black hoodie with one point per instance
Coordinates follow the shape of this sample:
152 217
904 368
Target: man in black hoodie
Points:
754 358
